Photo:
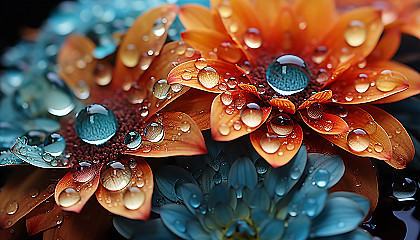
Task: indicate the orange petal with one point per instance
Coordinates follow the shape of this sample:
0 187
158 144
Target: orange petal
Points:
277 150
77 186
93 222
170 134
268 10
365 134
213 44
375 81
25 190
412 26
353 37
195 16
134 200
250 88
142 42
387 46
208 75
283 105
319 97
402 147
359 177
43 217
412 76
324 123
232 118
196 104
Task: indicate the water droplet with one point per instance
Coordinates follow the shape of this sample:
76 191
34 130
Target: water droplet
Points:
176 87
189 52
362 83
159 27
288 75
179 226
371 127
404 188
11 207
252 115
295 173
161 89
154 132
342 111
321 178
134 198
290 146
95 124
144 112
225 9
136 96
200 63
261 166
358 140
328 125
59 219
54 144
51 188
224 129
355 33
378 147
315 110
387 80
208 77
281 188
195 201
186 75
185 126
35 137
130 55
115 176
226 98
68 197
181 49
319 55
269 143
58 103
33 192
237 125
103 74
282 124
132 140
83 171
253 38
145 61
240 102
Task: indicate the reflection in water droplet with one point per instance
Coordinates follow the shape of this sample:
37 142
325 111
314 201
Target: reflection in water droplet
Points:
282 124
185 126
225 9
224 129
358 140
33 192
237 125
328 125
95 124
11 207
130 55
161 89
159 27
315 110
387 80
252 115
68 197
269 143
115 176
378 147
355 33
362 83
253 38
58 102
226 98
288 75
195 201
134 198
208 77
154 132
261 166
295 173
186 75
83 171
103 74
404 188
200 63
179 226
181 49
176 87
132 140
54 144
321 178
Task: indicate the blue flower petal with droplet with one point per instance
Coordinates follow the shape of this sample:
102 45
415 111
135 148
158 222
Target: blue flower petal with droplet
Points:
176 218
169 177
271 229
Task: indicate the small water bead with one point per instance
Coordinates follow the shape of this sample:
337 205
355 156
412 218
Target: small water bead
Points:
237 125
315 110
269 143
185 127
145 61
282 124
404 188
186 75
159 27
181 49
179 226
224 129
225 9
290 146
11 207
319 55
115 176
134 198
144 112
136 96
132 140
288 75
33 192
59 103
358 140
261 166
189 52
387 80
321 178
68 197
103 74
378 147
200 63
161 89
355 33
370 127
240 102
176 87
54 144
362 83
95 124
217 178
226 98
208 77
83 171
253 38
328 125
342 111
195 201
229 110
232 83
154 132
130 55
252 115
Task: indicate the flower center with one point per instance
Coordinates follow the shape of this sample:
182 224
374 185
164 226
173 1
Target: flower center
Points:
288 75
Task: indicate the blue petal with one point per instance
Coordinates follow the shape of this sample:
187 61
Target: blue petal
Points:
242 173
279 181
257 198
223 214
339 216
271 229
192 196
158 200
219 193
357 234
207 180
196 231
258 216
310 204
297 228
242 210
8 158
363 202
169 177
176 218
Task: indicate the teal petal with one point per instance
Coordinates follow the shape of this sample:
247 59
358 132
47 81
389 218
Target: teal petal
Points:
271 229
169 178
223 214
176 218
196 231
297 228
363 202
257 198
240 226
192 196
242 173
310 204
219 193
207 180
242 210
357 234
340 215
8 158
258 216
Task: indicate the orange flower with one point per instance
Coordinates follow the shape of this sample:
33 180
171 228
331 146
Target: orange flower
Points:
279 67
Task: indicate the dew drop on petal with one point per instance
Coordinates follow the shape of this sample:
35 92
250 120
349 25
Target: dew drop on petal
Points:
132 140
145 61
224 129
133 198
179 226
161 89
225 9
176 87
252 115
261 166
362 83
83 171
54 144
315 110
11 207
154 132
200 63
68 197
269 143
378 147
358 140
253 38
33 192
103 74
185 127
387 80
130 55
226 98
319 55
404 188
159 27
295 173
321 178
328 125
115 176
355 33
195 201
181 49
136 96
95 124
59 103
208 77
282 124
237 125
186 75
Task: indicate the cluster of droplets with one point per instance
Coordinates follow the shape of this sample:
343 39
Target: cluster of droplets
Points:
153 132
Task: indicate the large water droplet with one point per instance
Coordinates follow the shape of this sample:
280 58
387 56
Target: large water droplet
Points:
253 38
132 140
315 110
161 89
404 188
95 124
224 129
225 9
83 171
358 140
159 27
154 132
282 124
200 63
180 226
55 144
134 198
261 166
68 197
355 33
185 127
226 98
11 207
288 75
195 201
269 143
208 77
130 55
321 178
115 176
252 115
387 80
361 84
58 102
